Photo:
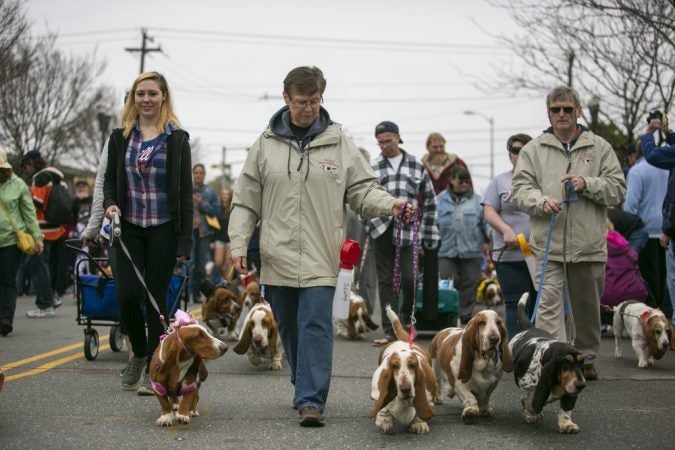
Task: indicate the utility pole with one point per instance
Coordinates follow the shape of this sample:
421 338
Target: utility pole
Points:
144 49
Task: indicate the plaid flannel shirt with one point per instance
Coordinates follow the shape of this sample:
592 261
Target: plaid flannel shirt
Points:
147 202
412 183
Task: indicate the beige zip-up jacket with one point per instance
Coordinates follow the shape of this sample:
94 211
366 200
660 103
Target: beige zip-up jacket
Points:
299 198
541 165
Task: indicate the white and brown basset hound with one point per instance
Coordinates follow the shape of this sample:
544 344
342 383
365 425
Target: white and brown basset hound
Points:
177 368
402 384
546 370
649 330
358 322
473 360
221 311
260 337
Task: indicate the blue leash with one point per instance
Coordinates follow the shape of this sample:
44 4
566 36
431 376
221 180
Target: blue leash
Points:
572 197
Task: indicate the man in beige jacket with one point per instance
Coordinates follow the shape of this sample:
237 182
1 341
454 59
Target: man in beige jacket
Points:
575 174
296 180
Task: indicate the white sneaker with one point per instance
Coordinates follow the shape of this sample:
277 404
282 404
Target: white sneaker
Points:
40 313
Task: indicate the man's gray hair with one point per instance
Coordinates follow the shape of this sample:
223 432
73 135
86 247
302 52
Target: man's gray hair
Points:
563 93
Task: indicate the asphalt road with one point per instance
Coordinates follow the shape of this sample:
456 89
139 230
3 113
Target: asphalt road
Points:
54 398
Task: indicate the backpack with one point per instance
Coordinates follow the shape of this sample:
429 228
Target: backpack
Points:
59 205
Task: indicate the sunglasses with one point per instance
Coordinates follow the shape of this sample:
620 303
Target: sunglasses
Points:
515 150
565 109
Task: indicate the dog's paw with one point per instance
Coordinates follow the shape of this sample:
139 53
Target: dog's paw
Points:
384 427
419 427
642 363
384 422
618 354
165 420
275 365
194 413
569 428
470 412
651 361
182 419
487 412
531 418
255 360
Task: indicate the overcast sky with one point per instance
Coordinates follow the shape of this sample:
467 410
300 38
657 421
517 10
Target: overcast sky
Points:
416 63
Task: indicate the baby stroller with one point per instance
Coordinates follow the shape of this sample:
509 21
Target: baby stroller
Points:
96 296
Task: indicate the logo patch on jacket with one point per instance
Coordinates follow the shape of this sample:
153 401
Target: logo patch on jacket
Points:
588 158
329 167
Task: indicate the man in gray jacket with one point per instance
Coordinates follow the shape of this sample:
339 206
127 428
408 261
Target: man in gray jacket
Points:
296 180
570 172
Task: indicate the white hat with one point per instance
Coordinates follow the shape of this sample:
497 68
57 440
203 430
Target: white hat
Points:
3 160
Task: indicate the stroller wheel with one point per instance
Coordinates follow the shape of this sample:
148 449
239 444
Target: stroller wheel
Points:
90 344
116 338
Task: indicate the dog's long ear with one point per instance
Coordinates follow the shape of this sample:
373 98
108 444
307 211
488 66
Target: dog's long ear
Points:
245 339
387 389
203 372
648 331
469 343
547 380
505 354
274 335
421 403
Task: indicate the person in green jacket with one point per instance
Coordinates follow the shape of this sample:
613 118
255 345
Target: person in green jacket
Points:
17 207
296 180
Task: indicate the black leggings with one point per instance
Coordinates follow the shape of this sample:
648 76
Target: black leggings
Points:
153 251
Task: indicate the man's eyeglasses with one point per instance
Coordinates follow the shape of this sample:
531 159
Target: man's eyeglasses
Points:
515 150
565 109
461 181
311 103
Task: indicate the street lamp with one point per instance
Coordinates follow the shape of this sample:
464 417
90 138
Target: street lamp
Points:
103 124
491 121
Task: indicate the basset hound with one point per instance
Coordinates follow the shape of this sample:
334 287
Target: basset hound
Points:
402 383
649 330
546 370
177 368
221 311
358 322
260 337
252 294
473 360
489 292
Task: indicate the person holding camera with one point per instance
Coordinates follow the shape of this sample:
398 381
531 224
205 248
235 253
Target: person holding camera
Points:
148 184
573 174
658 146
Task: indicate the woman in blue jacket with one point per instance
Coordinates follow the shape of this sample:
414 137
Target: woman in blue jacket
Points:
463 232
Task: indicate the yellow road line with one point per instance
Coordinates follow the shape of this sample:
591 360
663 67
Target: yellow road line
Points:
50 365
43 368
57 351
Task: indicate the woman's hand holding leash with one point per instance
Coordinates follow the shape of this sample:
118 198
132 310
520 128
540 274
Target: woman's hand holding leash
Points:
112 209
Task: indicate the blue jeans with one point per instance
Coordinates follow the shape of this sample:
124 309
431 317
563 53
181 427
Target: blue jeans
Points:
201 254
514 279
40 277
304 317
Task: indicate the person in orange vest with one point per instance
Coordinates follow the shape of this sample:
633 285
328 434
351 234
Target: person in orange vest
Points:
41 178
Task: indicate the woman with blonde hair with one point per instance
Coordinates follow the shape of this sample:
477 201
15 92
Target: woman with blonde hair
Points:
148 184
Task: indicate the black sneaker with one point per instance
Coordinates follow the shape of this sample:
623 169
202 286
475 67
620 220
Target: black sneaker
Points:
5 329
133 376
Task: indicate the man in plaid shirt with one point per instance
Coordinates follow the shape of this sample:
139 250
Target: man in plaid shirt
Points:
403 176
